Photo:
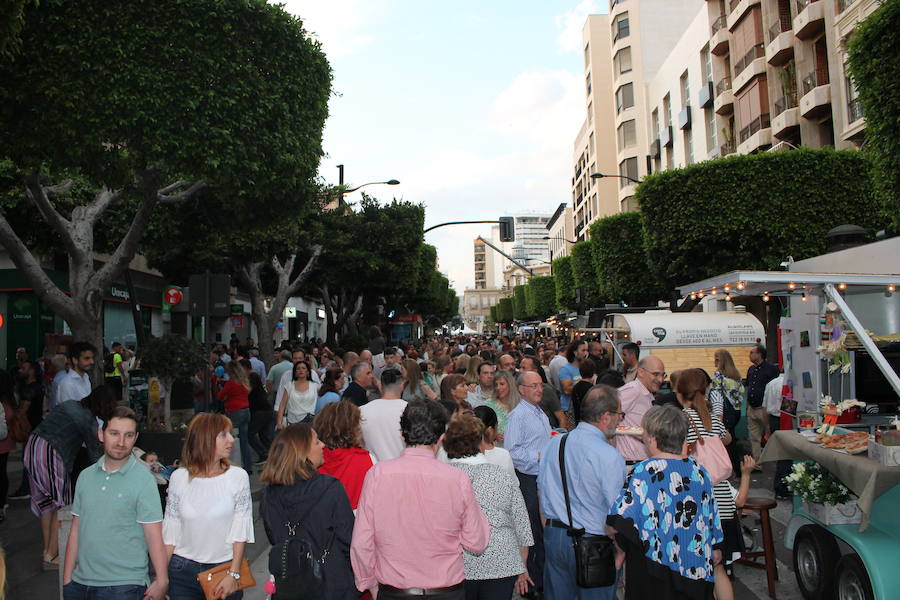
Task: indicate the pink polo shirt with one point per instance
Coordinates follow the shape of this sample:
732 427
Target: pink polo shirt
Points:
415 517
636 400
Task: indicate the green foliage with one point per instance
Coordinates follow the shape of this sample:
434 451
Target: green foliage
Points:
172 357
540 297
10 25
750 212
585 273
234 92
621 258
519 305
564 281
505 310
874 58
494 318
814 483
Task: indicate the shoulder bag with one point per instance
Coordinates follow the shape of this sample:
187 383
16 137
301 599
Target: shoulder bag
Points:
710 452
209 580
595 556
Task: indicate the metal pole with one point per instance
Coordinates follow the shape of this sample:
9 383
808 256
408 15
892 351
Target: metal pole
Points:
207 382
340 184
510 258
456 223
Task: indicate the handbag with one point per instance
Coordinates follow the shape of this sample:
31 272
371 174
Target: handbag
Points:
710 452
209 580
595 556
19 426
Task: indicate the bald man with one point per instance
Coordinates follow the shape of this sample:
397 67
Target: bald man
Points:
637 398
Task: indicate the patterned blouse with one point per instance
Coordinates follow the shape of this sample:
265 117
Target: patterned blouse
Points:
498 495
667 523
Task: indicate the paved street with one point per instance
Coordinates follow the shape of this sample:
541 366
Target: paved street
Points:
21 537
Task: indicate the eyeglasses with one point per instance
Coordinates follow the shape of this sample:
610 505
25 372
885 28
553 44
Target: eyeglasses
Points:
657 374
621 414
531 385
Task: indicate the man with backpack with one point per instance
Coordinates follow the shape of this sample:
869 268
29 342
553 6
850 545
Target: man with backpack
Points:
114 369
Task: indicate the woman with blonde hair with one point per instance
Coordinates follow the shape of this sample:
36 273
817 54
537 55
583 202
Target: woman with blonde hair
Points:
461 364
504 399
209 512
727 391
298 497
472 371
416 388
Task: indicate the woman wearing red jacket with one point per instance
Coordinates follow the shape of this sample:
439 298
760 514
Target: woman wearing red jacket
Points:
236 396
338 426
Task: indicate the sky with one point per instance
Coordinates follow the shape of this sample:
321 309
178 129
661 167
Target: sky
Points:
472 106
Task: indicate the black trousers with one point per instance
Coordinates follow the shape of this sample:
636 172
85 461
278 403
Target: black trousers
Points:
459 594
535 563
490 589
260 428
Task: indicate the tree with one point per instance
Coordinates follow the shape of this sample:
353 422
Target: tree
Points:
540 297
874 59
519 306
179 96
620 254
564 280
751 212
584 272
505 310
172 357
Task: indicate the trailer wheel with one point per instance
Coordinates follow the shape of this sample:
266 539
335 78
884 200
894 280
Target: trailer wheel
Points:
815 554
853 580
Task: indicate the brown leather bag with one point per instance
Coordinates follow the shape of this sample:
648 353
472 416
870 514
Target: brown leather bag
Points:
19 426
209 579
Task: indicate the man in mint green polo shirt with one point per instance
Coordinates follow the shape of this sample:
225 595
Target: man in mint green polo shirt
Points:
117 520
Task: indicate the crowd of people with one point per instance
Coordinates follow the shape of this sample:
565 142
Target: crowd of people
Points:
464 467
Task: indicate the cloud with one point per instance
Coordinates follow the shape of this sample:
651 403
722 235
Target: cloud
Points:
571 23
343 26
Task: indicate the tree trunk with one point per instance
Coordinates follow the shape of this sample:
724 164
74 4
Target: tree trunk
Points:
330 337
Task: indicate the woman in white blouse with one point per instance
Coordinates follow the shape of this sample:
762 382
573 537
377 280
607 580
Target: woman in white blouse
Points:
299 399
209 513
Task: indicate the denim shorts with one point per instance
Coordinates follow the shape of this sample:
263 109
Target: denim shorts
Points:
183 584
77 591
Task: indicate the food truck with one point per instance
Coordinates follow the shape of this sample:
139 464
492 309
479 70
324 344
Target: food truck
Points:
839 342
684 339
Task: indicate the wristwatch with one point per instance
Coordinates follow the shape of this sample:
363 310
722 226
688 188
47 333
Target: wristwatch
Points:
237 576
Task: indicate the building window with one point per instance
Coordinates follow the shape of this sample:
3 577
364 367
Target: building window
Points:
667 110
587 83
627 134
685 90
587 54
628 168
712 137
590 115
688 147
620 27
706 64
591 144
622 60
624 97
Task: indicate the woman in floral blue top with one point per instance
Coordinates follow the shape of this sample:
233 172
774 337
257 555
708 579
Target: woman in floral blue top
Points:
666 520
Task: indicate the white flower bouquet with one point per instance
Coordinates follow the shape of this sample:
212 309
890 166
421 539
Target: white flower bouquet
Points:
815 484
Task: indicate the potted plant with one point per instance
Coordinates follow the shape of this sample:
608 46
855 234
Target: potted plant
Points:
825 498
171 357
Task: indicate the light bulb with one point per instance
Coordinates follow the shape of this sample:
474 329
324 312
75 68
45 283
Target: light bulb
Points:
792 285
727 297
842 286
892 288
740 285
803 297
765 298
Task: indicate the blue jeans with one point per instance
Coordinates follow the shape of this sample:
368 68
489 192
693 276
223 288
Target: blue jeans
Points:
76 591
241 420
183 583
559 570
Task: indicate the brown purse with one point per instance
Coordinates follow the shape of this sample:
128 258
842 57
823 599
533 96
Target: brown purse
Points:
210 579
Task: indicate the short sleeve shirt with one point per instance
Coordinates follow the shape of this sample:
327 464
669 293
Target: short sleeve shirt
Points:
569 371
111 509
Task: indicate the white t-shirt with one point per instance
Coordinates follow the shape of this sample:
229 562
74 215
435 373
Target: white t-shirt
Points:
772 396
500 456
73 387
206 515
300 404
381 428
558 362
286 380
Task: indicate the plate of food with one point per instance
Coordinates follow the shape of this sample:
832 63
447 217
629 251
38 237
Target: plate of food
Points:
852 443
628 430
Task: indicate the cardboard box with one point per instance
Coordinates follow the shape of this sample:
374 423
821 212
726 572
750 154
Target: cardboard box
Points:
888 456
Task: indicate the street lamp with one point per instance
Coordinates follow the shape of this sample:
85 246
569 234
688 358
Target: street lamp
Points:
353 189
602 175
555 237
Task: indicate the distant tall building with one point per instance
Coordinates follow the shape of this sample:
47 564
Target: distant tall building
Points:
530 246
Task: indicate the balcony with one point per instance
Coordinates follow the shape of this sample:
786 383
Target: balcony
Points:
785 116
810 19
749 66
665 136
684 118
757 134
706 95
655 148
739 8
816 99
842 5
724 103
718 43
727 148
780 48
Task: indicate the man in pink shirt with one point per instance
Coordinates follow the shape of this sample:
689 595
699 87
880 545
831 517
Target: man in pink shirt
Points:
637 397
415 517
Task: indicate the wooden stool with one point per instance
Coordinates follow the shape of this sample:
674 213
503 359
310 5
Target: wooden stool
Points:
762 506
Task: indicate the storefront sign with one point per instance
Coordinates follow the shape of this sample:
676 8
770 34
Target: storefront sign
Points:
237 322
172 296
320 313
237 309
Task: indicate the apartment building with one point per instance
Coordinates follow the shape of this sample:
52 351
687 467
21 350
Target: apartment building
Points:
560 231
695 80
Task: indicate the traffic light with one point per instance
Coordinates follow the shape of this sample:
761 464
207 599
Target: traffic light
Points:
507 230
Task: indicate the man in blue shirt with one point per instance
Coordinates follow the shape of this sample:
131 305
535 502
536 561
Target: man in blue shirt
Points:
595 473
569 373
527 432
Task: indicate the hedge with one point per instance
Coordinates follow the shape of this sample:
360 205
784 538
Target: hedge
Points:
620 254
584 272
493 314
564 281
874 58
750 212
540 297
505 310
520 310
